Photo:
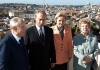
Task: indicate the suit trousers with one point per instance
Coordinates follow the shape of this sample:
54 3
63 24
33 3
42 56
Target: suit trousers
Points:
60 67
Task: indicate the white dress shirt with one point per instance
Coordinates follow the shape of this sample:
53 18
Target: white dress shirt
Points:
16 37
38 29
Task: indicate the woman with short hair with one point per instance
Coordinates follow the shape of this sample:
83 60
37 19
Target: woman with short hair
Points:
85 46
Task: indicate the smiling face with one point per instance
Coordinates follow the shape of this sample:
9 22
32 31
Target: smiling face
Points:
84 28
84 25
60 21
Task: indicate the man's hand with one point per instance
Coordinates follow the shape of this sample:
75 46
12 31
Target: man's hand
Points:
52 65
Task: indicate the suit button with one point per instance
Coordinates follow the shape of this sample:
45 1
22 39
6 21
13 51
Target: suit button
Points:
61 49
61 44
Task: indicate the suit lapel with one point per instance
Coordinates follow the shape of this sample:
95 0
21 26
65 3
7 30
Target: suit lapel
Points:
82 40
56 31
65 33
46 34
16 45
81 37
24 48
36 33
87 42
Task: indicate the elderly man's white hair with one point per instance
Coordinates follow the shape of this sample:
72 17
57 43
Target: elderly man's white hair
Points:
14 22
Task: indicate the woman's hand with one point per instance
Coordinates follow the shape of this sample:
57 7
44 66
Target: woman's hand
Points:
86 60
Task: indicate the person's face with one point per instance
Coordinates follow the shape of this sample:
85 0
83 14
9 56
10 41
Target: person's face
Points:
84 28
40 19
21 29
60 21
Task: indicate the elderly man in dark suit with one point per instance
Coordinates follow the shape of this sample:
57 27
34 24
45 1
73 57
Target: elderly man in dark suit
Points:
13 54
39 41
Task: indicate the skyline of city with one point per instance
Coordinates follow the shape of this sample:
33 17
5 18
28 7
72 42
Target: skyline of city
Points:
53 2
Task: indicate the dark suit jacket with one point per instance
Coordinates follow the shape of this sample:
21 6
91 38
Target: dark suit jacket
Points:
40 54
12 56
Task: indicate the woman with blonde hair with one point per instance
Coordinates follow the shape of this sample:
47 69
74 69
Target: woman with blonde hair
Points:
63 42
85 46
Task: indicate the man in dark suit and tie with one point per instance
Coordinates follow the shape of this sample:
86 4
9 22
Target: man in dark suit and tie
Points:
40 44
13 53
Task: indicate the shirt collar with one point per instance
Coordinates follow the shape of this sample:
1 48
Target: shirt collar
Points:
38 28
16 37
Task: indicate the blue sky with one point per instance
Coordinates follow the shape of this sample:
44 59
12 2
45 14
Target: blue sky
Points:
52 2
